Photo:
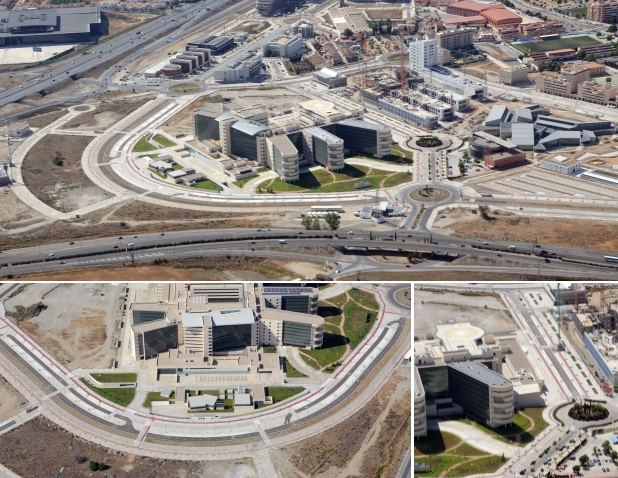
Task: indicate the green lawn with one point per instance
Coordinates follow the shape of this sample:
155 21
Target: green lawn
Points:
120 396
521 421
208 185
143 146
156 397
537 415
331 351
563 43
339 300
434 443
241 182
154 171
163 141
114 377
438 464
291 371
262 169
398 179
351 172
281 393
577 11
185 88
358 322
269 349
330 314
487 464
331 328
364 298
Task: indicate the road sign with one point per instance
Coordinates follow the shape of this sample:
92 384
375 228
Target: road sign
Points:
37 48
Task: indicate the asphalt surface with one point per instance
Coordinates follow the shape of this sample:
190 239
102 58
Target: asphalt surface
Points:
110 49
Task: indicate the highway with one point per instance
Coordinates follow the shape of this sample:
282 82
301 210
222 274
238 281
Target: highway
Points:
42 374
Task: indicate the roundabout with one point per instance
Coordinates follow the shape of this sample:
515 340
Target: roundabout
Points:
429 194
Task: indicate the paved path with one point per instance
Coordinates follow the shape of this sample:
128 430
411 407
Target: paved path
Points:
475 437
299 364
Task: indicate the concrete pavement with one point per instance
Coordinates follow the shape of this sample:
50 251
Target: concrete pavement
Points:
474 436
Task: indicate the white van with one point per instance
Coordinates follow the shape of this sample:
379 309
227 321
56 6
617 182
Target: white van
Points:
282 241
512 248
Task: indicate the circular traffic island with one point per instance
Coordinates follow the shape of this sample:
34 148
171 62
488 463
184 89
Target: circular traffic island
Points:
429 194
588 412
429 142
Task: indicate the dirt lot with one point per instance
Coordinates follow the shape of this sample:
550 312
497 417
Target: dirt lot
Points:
13 108
600 236
182 122
211 268
429 304
252 28
11 401
384 13
40 121
60 231
14 213
118 21
64 187
445 276
41 448
77 324
141 211
371 443
106 114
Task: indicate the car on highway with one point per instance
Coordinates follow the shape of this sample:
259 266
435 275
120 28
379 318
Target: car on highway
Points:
130 244
115 247
337 271
62 262
120 237
351 233
299 232
253 242
71 243
162 234
51 254
135 236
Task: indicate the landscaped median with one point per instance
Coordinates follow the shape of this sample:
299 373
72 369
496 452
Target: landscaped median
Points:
120 396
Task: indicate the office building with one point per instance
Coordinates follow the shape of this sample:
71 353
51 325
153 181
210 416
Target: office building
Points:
282 157
330 78
442 77
45 26
457 39
561 164
278 327
603 11
408 112
483 393
216 44
285 46
505 159
514 75
325 148
420 408
243 138
292 299
269 8
423 54
246 67
362 137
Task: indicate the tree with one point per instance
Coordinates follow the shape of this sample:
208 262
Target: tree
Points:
94 466
609 37
614 455
306 222
612 28
581 54
608 79
462 167
57 161
316 224
347 32
521 57
484 212
599 34
576 469
594 451
583 459
332 220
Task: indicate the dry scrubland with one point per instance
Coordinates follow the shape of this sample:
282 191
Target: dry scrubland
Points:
106 114
52 172
599 236
42 448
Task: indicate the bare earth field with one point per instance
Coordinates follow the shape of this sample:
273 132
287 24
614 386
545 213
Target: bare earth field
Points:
65 187
41 448
599 236
211 268
441 275
77 324
14 213
252 28
120 21
11 401
106 114
40 121
384 13
370 443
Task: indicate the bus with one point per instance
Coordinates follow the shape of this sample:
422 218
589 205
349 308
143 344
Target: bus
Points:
611 259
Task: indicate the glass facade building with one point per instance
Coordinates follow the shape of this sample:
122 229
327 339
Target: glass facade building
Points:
435 381
144 316
296 333
243 145
231 337
469 393
153 342
206 127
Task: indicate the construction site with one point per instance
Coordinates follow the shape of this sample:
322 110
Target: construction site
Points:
589 317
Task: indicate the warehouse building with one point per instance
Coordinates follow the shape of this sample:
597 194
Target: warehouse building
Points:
50 26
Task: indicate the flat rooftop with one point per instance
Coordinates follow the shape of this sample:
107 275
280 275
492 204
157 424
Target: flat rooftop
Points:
460 336
242 316
480 372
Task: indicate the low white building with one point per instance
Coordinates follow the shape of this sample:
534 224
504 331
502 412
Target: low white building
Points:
561 164
286 46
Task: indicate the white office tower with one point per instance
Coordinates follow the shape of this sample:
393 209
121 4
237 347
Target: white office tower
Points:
423 54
